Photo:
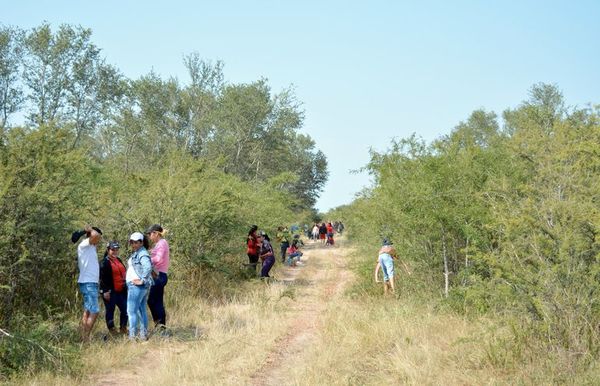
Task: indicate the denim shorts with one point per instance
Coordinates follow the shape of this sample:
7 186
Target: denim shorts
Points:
90 293
387 265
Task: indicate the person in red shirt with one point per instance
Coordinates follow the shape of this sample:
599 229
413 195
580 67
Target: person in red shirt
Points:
252 248
329 234
114 288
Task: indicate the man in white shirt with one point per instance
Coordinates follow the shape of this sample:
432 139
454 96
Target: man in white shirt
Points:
89 276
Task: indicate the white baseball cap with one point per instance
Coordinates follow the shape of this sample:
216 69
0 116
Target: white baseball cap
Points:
136 236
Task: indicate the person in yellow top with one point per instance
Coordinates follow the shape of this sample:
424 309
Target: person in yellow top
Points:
385 262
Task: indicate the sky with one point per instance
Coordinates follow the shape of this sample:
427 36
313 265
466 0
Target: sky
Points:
366 71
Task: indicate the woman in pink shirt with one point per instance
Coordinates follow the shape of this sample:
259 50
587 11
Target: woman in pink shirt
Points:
160 260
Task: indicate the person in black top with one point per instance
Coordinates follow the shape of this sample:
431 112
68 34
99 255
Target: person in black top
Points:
114 288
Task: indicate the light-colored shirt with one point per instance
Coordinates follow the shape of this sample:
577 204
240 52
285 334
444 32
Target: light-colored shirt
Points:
87 260
130 275
160 256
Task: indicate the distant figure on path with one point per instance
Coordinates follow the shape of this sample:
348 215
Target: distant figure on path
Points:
329 234
322 232
315 232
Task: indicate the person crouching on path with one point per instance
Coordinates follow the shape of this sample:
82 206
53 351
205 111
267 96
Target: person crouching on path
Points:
139 280
294 254
114 288
252 248
266 254
161 259
89 276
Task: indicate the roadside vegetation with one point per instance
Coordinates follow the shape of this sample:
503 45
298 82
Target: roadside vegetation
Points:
81 143
499 221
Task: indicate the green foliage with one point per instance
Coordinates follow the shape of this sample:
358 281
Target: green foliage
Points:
514 210
40 345
206 160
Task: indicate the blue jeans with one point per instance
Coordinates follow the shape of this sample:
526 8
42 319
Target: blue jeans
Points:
284 246
136 310
293 257
117 299
155 299
90 293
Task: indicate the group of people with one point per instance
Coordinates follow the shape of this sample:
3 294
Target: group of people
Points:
127 287
324 233
259 247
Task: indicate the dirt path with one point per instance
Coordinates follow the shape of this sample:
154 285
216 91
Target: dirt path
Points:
328 273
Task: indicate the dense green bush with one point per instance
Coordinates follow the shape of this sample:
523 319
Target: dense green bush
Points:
509 216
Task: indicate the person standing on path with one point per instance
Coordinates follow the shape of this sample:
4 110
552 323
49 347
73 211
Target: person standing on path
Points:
283 237
139 280
160 256
89 276
266 254
322 232
114 288
315 232
329 234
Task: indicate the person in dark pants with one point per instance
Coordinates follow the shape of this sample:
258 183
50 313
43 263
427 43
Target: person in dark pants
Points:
266 254
161 261
283 237
114 288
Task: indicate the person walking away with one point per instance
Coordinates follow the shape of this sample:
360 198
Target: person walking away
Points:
266 254
252 248
283 237
329 234
89 277
139 280
160 256
113 288
315 232
322 232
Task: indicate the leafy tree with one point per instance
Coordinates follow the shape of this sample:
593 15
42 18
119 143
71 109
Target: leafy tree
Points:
11 93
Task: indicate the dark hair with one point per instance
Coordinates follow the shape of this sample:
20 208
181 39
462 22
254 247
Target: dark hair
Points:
253 229
145 242
154 228
88 234
111 244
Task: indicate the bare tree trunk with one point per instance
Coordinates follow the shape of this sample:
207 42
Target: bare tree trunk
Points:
446 272
467 254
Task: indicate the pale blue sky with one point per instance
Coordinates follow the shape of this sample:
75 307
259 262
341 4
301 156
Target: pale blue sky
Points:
366 71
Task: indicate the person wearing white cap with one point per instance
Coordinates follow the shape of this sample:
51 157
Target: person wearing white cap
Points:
139 280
